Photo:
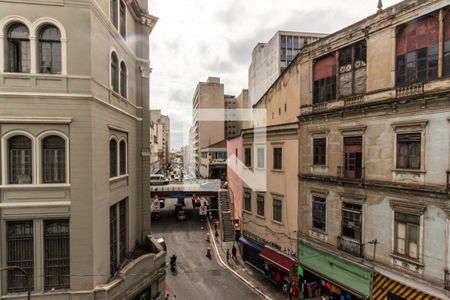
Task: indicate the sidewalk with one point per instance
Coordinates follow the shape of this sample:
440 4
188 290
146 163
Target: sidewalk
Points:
248 272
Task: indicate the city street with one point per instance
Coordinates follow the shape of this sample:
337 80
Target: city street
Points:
197 277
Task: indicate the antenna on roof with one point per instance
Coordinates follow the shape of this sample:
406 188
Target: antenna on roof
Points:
380 5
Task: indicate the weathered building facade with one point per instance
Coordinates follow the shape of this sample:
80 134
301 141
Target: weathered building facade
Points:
74 140
374 137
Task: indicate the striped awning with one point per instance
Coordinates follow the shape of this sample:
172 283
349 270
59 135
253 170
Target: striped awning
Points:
385 288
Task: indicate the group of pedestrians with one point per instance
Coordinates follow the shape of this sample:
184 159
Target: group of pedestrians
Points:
233 254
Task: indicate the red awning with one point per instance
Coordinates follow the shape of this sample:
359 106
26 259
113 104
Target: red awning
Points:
277 259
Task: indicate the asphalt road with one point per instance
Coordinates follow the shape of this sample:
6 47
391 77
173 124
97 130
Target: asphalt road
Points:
197 276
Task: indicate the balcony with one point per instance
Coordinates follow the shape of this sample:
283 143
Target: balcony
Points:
350 246
409 90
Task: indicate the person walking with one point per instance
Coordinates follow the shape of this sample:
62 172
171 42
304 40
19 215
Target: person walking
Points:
233 252
215 226
228 255
216 235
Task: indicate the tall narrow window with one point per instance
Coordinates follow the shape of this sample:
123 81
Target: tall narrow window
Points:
20 160
248 157
417 51
319 213
320 151
114 72
123 20
408 151
277 158
353 157
446 58
53 159
18 50
113 14
56 254
123 80
123 157
50 50
407 234
123 231
113 239
277 210
352 69
112 158
325 79
260 158
351 221
260 205
20 252
247 201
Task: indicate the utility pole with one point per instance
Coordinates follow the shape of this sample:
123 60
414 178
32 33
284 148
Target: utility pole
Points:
17 268
373 242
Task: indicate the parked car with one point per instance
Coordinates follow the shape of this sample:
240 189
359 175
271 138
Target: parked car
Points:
181 216
158 179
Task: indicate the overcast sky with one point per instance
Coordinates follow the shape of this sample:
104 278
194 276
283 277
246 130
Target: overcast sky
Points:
194 39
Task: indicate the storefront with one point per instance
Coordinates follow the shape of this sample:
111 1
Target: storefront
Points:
323 274
385 288
250 252
278 266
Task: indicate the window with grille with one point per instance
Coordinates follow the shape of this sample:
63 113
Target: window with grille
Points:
113 13
50 50
408 151
277 158
407 234
123 241
248 157
114 72
319 207
20 252
260 158
351 220
123 80
324 84
56 254
320 151
123 157
260 205
277 210
112 158
417 51
20 160
123 20
53 159
248 201
18 49
113 240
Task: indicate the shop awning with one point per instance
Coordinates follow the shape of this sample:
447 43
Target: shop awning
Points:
251 244
277 259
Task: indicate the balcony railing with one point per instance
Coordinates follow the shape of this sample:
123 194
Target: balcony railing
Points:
350 246
410 90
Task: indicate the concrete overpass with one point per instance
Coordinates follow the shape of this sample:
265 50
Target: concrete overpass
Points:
186 189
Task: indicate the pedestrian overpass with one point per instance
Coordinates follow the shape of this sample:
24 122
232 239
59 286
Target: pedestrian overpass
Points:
186 189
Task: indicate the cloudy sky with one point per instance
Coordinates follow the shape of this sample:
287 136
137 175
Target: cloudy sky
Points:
194 39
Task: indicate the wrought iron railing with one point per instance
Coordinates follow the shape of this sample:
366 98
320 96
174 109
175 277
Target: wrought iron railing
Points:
350 246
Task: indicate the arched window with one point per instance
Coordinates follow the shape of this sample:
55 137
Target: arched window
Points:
417 51
114 72
123 19
20 160
50 50
123 79
113 13
53 159
123 157
112 158
18 49
446 67
325 79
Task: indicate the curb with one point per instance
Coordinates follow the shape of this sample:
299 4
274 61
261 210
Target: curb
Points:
223 264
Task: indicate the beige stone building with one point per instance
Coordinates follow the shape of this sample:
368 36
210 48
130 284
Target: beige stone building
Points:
74 148
374 139
208 95
161 128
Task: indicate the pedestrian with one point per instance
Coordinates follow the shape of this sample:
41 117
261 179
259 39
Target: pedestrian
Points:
215 226
233 252
216 234
228 255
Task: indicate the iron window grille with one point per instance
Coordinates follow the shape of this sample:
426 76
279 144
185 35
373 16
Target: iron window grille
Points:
20 252
20 160
56 254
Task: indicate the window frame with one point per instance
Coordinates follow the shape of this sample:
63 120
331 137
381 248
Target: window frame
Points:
114 72
260 163
7 157
260 205
53 43
418 225
248 157
113 162
277 158
122 21
41 156
325 89
114 13
123 163
319 200
123 79
8 66
354 211
247 195
316 160
275 208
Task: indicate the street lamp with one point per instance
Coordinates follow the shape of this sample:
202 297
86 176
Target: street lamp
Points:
373 242
24 273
